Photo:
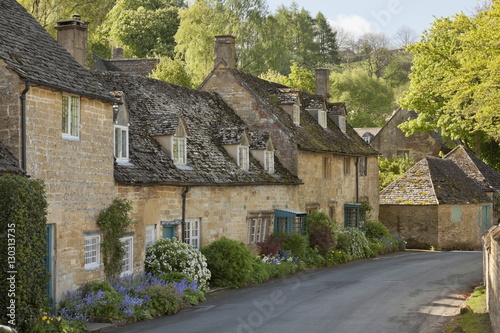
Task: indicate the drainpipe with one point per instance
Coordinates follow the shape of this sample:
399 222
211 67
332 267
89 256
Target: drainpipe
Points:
357 180
23 123
183 221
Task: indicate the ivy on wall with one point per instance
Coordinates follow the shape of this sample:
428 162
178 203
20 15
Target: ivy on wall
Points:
23 272
114 222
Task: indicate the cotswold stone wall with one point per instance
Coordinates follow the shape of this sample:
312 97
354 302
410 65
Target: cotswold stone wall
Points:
78 174
491 267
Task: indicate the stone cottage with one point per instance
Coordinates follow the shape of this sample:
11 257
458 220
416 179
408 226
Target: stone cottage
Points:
390 141
56 119
191 167
311 136
435 204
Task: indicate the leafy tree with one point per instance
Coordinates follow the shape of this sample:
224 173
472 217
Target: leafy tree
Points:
205 19
301 78
368 99
455 79
391 169
145 28
172 71
326 38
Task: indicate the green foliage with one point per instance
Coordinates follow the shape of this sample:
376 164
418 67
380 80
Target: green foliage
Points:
165 299
368 98
24 249
295 243
114 222
358 244
172 71
391 169
53 324
229 261
145 28
376 230
321 232
168 256
454 82
301 78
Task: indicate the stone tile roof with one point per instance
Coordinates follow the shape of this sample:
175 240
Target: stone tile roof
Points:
476 169
259 139
141 66
33 54
313 101
203 114
309 135
433 181
230 135
8 163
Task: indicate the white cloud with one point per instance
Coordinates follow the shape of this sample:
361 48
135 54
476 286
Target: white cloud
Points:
354 24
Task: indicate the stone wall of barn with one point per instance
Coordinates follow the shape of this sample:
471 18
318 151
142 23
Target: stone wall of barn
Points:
418 225
491 269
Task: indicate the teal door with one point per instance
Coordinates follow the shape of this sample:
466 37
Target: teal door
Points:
169 231
49 262
486 214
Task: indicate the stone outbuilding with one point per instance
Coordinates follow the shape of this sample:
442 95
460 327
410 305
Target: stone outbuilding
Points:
435 204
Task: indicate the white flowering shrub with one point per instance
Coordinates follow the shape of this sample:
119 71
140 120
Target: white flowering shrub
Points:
167 256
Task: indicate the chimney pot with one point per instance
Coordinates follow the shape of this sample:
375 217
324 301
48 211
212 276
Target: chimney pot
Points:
225 51
117 53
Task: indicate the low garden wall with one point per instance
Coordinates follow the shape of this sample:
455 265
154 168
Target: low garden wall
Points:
491 243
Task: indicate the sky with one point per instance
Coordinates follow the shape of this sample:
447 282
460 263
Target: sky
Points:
387 16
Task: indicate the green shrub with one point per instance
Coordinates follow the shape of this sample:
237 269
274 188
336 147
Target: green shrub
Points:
23 246
270 246
165 299
261 272
313 258
295 243
175 277
359 246
229 261
376 230
168 256
344 241
321 232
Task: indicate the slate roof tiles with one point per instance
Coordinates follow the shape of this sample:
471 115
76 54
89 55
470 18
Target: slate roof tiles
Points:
33 54
433 181
8 163
204 114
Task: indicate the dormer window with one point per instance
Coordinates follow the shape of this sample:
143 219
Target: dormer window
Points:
243 160
322 118
179 151
269 161
121 143
296 114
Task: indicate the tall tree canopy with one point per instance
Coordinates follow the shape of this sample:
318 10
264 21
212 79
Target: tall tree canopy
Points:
456 78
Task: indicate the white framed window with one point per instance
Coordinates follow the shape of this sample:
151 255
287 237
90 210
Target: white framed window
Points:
92 252
150 234
243 159
327 167
179 150
121 143
257 229
362 166
269 161
71 117
296 114
128 258
322 118
192 232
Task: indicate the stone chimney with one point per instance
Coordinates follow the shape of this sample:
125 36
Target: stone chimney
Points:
323 83
117 53
225 51
72 35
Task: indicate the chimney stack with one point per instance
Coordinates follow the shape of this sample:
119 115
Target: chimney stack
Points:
117 53
323 83
225 51
72 35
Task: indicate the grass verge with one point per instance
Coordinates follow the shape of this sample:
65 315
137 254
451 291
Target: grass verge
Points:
473 317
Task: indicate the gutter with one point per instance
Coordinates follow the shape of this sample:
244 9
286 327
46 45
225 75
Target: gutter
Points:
23 123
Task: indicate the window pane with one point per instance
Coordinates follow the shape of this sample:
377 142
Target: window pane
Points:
117 142
124 150
74 116
65 119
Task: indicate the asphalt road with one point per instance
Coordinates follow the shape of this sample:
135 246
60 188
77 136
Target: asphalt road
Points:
408 292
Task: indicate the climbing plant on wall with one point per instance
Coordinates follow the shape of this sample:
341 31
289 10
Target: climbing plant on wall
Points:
114 222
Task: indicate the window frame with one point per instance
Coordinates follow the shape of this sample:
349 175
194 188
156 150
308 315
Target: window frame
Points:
189 238
327 167
70 123
296 114
347 165
118 143
362 166
94 263
257 228
269 158
179 150
322 118
243 157
130 258
151 234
